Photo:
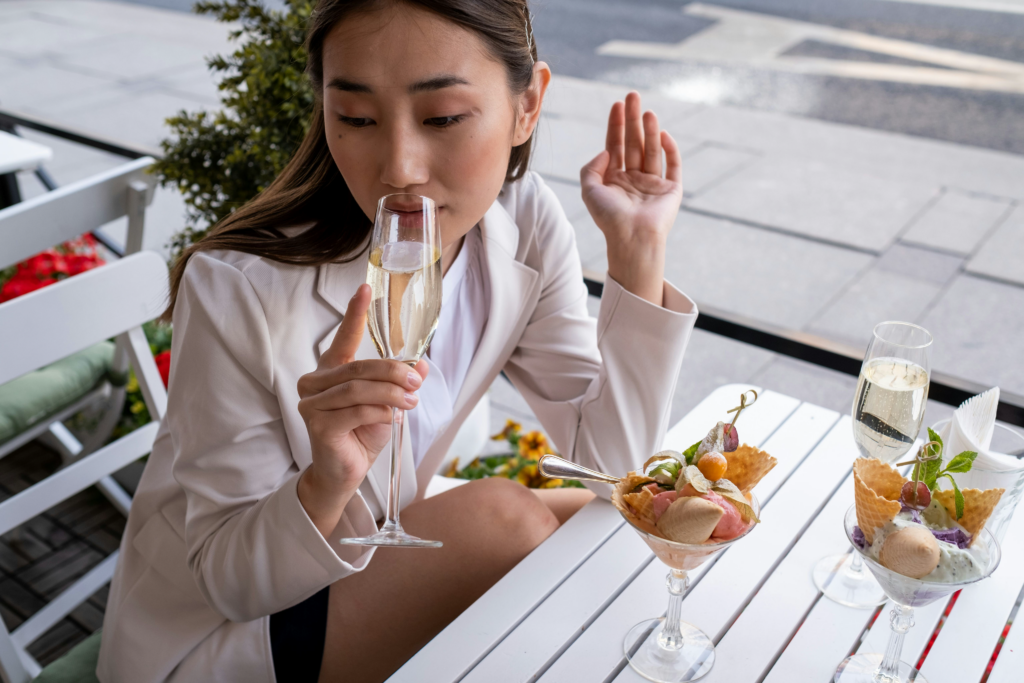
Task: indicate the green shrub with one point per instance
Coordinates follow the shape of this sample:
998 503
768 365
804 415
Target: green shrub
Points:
220 160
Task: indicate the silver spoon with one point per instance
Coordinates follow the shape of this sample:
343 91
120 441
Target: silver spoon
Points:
555 467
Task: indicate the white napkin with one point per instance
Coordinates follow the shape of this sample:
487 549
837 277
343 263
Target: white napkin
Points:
970 429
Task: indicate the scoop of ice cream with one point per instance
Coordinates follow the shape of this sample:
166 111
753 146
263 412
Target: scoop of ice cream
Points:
731 525
911 551
661 502
690 519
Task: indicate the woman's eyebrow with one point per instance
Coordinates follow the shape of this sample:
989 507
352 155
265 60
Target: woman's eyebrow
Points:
433 83
437 83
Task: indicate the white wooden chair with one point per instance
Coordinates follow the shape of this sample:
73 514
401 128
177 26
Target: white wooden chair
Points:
111 301
35 225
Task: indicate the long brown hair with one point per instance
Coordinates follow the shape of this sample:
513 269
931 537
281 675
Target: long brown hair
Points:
310 189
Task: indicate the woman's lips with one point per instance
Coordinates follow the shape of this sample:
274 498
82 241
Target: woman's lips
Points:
410 209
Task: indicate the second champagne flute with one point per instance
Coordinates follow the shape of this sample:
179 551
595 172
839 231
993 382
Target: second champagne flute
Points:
405 275
888 409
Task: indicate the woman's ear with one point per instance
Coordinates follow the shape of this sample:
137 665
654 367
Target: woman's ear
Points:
530 103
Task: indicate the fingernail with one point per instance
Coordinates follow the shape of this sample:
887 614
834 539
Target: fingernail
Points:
414 379
411 399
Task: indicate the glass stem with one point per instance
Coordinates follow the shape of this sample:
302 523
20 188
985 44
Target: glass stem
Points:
391 523
856 564
671 637
901 619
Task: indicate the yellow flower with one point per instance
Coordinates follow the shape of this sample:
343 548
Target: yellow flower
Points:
137 407
453 468
532 445
133 384
511 427
528 475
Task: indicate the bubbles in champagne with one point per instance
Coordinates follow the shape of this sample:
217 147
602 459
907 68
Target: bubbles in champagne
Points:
889 407
405 278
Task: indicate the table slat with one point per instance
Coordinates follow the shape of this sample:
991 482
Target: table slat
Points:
1010 662
542 636
752 644
966 641
718 604
476 631
715 600
598 648
19 154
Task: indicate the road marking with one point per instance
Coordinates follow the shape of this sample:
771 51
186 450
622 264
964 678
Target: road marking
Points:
1011 6
752 39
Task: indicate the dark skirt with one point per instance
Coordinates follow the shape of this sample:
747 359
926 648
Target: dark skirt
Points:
297 639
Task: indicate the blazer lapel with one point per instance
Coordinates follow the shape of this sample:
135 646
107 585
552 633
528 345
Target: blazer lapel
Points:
336 284
513 294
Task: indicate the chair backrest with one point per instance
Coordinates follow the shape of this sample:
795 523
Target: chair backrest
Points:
52 323
34 225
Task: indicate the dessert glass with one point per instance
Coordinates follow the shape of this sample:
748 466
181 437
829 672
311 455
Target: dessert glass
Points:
906 594
667 649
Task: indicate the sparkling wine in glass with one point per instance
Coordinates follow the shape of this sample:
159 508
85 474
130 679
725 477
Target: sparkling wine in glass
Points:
888 409
404 274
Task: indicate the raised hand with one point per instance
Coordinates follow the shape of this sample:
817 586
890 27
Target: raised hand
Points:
346 405
630 201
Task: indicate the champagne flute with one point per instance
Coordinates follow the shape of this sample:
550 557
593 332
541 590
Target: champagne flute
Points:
404 275
888 409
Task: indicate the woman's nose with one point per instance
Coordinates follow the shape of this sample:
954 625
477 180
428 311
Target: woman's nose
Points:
405 163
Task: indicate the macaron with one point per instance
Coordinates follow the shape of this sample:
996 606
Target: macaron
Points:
690 520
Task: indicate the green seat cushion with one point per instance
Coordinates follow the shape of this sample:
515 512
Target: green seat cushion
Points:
32 397
77 666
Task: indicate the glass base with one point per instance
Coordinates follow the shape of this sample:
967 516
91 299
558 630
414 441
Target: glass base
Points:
690 662
835 578
393 539
864 669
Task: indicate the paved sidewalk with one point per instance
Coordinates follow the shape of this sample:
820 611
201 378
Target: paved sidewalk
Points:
808 225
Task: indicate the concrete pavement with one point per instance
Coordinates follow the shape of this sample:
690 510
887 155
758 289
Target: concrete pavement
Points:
805 224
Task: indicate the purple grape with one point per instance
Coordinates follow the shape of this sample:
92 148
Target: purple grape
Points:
732 439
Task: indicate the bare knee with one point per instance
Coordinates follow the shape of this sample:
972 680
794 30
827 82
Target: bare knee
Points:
512 510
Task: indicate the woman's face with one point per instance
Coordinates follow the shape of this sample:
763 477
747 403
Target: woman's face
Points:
415 103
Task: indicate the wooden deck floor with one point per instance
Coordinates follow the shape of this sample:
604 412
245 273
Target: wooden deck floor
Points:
42 557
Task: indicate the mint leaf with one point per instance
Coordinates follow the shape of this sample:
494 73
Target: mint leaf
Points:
931 469
958 498
690 452
961 463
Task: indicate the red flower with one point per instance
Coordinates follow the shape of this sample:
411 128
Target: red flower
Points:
163 364
47 263
22 283
70 258
79 263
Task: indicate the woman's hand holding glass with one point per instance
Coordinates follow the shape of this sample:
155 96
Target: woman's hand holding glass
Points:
630 201
346 405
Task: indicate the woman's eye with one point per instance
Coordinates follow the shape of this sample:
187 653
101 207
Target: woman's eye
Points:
443 121
355 122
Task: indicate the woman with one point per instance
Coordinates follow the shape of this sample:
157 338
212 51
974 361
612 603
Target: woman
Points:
279 406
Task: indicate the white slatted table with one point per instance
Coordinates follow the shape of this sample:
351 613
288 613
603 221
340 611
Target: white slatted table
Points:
561 614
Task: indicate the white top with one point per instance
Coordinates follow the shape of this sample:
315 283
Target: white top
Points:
19 154
465 302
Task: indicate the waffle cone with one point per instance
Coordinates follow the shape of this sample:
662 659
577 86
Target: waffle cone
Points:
633 505
880 478
747 466
978 507
873 510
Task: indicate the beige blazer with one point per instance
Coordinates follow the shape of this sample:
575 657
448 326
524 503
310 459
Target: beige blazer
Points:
217 539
